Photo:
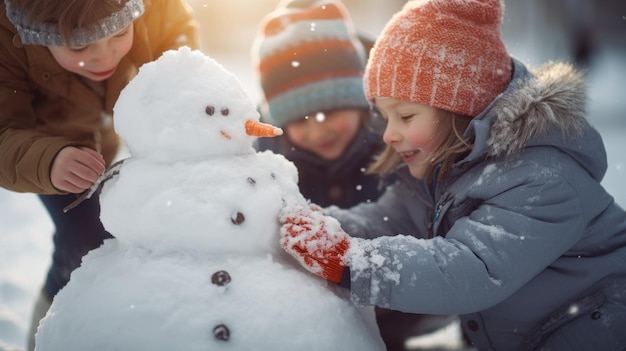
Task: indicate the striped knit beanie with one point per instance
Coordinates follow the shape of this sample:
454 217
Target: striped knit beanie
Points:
310 60
447 54
48 33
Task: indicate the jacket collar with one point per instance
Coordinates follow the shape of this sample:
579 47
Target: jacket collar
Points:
545 106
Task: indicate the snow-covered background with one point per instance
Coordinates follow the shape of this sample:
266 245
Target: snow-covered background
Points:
533 34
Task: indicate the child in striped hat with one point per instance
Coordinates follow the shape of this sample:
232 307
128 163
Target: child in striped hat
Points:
311 60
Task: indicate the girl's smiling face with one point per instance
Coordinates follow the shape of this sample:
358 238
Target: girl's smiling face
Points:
412 130
96 61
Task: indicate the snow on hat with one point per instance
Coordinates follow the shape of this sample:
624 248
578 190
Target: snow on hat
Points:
310 60
48 33
447 54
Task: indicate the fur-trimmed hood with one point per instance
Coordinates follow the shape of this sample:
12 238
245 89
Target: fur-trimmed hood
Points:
541 107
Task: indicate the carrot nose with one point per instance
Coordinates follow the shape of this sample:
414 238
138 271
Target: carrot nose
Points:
259 129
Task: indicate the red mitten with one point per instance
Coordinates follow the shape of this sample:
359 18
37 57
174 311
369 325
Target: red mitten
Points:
315 240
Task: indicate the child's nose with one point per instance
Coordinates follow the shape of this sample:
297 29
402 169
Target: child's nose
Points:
103 54
391 136
316 129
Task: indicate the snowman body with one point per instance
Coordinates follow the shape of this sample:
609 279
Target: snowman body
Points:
196 302
195 205
195 263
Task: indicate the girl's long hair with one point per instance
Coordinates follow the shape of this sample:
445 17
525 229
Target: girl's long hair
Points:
452 148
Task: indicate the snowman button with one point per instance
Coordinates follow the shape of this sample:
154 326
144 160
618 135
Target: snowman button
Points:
238 218
220 278
221 332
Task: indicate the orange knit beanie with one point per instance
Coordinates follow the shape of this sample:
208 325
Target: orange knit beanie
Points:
447 54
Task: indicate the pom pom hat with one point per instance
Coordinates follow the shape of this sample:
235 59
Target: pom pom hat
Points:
48 34
310 60
447 54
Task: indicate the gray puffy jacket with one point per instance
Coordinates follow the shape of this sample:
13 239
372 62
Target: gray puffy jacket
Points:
521 240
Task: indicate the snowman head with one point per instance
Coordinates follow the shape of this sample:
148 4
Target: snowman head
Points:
185 105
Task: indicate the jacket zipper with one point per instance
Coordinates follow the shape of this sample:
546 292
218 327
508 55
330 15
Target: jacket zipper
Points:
445 199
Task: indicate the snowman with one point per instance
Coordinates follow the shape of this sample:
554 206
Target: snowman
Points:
195 263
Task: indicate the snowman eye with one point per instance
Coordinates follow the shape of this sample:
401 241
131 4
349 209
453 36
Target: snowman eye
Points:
221 332
220 278
210 110
224 111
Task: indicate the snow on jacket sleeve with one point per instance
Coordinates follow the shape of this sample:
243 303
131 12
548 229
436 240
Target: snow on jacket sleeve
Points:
528 215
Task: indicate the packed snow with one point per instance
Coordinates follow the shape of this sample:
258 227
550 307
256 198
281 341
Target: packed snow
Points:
194 210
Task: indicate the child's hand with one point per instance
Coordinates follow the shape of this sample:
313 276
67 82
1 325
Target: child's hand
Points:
315 240
75 168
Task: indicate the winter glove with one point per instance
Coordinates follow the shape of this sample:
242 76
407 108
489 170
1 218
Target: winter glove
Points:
315 240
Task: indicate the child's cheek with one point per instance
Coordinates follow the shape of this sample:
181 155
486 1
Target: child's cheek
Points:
419 137
340 126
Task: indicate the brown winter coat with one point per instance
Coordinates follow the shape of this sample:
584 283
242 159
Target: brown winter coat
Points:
44 108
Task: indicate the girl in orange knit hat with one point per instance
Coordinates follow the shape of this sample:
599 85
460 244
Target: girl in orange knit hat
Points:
499 215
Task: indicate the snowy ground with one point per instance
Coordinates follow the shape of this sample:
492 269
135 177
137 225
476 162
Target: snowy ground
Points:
25 229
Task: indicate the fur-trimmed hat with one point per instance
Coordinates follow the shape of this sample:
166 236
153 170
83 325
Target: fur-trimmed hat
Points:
447 54
310 60
48 34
